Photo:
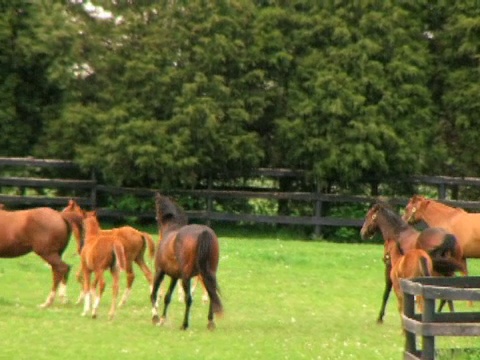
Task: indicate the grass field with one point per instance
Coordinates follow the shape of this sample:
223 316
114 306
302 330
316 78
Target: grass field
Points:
284 299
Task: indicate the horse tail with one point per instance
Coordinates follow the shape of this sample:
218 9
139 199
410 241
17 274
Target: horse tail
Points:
207 261
447 246
447 266
119 255
147 239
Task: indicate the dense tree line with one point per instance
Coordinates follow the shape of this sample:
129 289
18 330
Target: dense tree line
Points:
156 93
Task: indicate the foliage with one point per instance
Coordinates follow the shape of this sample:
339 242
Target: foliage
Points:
168 94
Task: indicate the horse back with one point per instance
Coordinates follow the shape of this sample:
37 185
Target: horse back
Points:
38 229
98 251
414 263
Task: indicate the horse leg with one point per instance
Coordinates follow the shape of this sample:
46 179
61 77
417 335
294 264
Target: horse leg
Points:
146 271
99 279
60 271
130 279
115 286
166 300
188 302
79 276
159 275
386 294
87 294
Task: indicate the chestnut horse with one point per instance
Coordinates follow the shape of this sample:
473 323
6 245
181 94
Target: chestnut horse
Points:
44 231
183 252
406 265
465 226
441 246
135 243
99 253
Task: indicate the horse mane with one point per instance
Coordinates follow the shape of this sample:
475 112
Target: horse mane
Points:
169 212
393 218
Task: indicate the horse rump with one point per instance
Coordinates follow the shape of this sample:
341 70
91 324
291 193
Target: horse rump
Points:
207 260
119 257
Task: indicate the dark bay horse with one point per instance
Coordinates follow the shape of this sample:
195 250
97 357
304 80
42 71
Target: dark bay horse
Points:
99 253
183 252
135 244
44 231
442 247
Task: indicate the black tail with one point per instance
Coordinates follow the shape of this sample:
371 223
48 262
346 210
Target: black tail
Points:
206 257
424 265
446 248
446 266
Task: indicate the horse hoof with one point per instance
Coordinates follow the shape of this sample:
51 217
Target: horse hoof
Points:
380 321
184 327
155 319
94 316
211 325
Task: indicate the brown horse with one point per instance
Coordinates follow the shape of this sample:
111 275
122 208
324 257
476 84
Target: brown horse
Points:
99 253
440 245
44 231
406 265
183 252
135 243
465 226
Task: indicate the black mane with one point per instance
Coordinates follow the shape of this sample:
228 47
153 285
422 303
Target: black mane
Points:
393 218
169 212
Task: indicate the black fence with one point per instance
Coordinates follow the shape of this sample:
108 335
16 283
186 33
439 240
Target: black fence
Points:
32 190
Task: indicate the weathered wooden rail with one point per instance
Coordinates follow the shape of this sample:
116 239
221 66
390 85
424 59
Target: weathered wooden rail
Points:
430 323
87 190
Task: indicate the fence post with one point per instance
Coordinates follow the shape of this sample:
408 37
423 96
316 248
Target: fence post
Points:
428 342
318 210
93 191
209 200
442 191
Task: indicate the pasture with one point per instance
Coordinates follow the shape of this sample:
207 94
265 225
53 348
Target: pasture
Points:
284 299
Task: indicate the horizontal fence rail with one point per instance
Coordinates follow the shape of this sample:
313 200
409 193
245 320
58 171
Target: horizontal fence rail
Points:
87 191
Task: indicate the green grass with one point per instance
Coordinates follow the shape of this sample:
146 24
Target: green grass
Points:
283 300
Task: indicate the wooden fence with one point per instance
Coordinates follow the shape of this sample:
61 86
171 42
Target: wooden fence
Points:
55 192
431 323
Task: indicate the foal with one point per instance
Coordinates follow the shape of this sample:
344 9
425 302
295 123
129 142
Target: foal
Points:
135 243
406 265
99 253
183 252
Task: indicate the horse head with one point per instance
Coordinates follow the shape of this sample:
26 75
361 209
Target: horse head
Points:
168 213
411 209
370 225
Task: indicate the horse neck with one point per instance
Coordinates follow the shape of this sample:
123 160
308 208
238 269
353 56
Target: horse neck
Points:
435 212
395 251
387 228
92 228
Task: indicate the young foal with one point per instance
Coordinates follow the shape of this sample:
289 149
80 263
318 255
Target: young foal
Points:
183 252
407 265
135 243
99 253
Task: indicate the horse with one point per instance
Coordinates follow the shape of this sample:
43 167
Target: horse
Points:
135 244
406 265
99 253
45 232
465 226
184 251
441 246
